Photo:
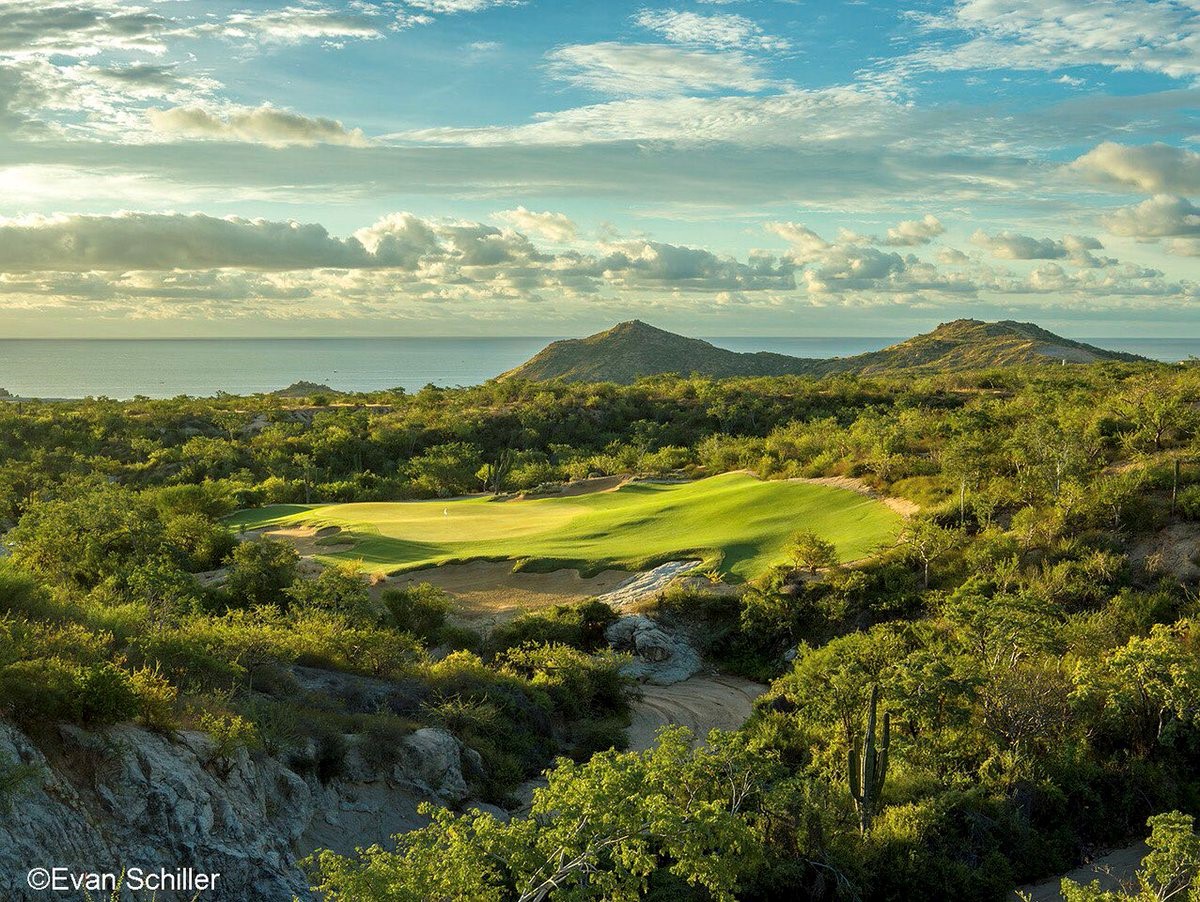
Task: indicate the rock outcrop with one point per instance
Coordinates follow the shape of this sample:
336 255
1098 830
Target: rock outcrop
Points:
658 656
127 797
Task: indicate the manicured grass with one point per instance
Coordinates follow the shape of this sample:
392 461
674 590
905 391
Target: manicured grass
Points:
734 522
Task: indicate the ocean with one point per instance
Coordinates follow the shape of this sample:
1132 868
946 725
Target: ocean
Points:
116 368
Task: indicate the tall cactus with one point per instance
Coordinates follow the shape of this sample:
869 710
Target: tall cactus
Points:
868 769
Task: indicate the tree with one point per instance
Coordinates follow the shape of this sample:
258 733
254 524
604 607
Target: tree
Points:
812 552
1170 871
597 831
928 542
338 589
260 572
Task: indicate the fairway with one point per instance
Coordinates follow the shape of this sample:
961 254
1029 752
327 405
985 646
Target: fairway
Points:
734 522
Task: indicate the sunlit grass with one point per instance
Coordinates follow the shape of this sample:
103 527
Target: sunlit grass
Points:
734 522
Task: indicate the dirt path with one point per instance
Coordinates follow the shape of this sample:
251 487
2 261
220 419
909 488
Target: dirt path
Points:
1112 870
704 702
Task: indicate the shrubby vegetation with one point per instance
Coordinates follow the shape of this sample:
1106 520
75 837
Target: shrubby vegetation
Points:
1031 638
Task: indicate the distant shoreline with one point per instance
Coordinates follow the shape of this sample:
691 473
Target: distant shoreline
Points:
71 369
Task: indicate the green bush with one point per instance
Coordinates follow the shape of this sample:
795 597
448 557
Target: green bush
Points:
260 571
580 626
420 609
1188 502
107 694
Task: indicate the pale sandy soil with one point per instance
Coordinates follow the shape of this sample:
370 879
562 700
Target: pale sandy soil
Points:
583 487
1171 551
704 702
1113 870
303 538
902 506
491 590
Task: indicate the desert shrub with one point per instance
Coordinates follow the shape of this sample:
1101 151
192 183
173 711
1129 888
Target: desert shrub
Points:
205 543
39 690
379 743
580 626
339 590
1188 502
420 609
230 733
156 699
21 594
579 684
260 571
106 695
459 638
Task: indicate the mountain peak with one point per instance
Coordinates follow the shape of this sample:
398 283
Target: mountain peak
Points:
633 349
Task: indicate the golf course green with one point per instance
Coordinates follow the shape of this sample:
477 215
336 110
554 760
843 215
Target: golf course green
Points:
735 522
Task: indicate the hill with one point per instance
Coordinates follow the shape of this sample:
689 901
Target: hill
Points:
304 389
634 349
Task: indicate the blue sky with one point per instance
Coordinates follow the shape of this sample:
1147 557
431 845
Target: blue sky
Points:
457 167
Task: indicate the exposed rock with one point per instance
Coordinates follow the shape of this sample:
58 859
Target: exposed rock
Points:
128 797
643 585
125 797
432 762
658 657
484 808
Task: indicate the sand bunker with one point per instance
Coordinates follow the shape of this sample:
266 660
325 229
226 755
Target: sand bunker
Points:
902 506
702 703
490 589
1114 870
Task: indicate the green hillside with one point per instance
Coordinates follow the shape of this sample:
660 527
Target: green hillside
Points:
631 350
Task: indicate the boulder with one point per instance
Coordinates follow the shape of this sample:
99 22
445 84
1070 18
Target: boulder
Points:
431 761
658 656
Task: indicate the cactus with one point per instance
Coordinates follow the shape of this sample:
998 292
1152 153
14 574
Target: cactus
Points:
868 769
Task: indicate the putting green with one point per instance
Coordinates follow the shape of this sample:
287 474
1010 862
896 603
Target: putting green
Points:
734 522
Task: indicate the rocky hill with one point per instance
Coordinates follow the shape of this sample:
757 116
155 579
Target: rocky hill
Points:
634 349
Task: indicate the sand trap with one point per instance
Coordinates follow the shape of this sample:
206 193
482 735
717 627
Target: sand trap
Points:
590 486
490 589
307 540
902 506
702 703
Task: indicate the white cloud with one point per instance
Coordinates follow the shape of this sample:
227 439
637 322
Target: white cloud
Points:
1014 246
1153 168
1184 247
914 232
460 6
650 70
807 245
256 125
1161 216
297 24
556 227
1160 36
79 28
164 266
716 30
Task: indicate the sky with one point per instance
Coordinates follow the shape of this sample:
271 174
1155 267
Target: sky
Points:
248 168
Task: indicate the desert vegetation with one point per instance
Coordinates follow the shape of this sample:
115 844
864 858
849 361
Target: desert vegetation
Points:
1012 678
